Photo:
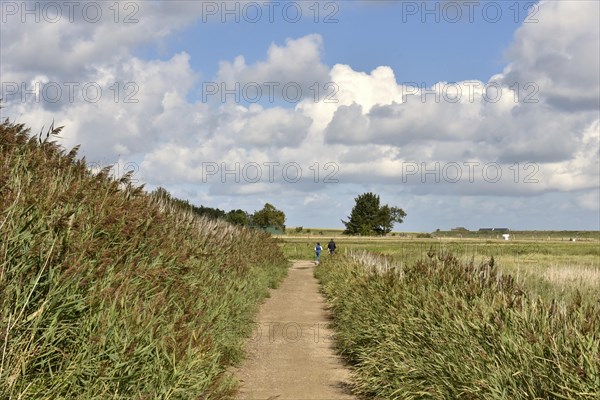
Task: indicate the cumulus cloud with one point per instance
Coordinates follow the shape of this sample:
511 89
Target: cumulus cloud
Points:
274 127
375 134
296 62
78 39
559 54
348 126
136 108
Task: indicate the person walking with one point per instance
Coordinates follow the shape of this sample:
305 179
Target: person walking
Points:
318 250
331 246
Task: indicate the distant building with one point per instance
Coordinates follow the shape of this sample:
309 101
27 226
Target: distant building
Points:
459 229
494 230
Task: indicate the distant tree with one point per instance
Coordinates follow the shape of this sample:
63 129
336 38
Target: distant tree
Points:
364 214
369 218
214 213
185 205
269 216
388 216
238 217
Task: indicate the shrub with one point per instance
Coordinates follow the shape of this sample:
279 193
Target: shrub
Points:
424 236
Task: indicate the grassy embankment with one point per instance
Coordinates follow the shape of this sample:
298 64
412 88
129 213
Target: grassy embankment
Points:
441 328
107 292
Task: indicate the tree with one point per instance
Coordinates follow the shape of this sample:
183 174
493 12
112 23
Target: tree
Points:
238 217
269 216
363 216
369 218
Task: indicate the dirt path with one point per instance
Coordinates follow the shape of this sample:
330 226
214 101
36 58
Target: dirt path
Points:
290 355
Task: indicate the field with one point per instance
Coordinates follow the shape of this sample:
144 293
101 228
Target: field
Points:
548 262
440 318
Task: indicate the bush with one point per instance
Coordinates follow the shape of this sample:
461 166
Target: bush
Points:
424 236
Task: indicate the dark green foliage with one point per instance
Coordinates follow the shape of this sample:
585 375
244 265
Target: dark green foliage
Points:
424 236
369 218
238 217
269 216
186 206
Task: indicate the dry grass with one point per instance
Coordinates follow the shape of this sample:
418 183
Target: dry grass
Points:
579 277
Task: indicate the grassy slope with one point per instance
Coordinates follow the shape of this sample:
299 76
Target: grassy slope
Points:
107 292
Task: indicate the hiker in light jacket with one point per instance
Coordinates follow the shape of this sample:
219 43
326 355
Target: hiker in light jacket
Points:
318 250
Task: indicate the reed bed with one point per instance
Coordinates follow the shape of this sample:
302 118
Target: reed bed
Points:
107 292
443 328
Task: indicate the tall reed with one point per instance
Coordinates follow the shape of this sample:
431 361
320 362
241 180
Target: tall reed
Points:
448 329
107 292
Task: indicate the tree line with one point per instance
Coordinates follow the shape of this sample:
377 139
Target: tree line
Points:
267 216
367 218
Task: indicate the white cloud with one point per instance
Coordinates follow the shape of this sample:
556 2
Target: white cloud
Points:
582 171
78 42
274 127
348 126
372 133
559 54
297 62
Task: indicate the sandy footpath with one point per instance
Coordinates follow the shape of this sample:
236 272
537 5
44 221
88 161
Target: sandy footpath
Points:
290 354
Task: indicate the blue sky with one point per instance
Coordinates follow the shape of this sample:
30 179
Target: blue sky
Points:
365 37
519 147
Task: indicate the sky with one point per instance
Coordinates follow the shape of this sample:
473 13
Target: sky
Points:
462 113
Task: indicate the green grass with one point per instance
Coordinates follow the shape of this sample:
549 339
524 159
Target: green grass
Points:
551 268
419 327
526 235
107 292
442 328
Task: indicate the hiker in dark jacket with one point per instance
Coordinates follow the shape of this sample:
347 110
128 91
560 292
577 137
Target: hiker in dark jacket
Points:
331 246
